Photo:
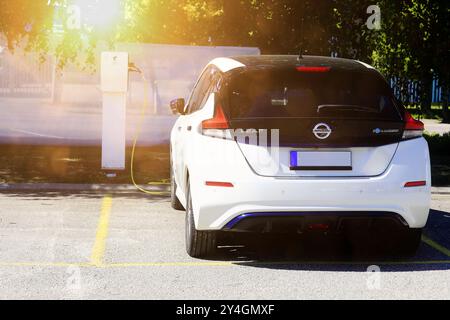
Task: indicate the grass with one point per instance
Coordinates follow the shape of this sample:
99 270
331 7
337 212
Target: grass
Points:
438 144
440 158
61 164
434 113
440 170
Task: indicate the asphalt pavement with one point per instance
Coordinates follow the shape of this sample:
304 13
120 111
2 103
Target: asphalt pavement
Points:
119 244
39 122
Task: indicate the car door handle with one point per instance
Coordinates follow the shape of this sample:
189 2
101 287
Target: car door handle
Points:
189 128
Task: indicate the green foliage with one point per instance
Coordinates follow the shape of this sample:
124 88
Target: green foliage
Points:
275 26
438 144
351 37
21 18
412 43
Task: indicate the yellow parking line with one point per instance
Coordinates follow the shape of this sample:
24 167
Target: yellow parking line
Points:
436 246
98 250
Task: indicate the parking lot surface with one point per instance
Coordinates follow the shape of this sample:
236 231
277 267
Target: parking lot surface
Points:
92 245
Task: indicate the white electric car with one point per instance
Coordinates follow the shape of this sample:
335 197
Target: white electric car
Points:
280 144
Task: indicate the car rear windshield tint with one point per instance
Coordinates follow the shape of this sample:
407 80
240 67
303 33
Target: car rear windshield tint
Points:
290 93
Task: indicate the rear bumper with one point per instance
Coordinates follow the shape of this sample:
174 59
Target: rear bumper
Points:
302 222
215 207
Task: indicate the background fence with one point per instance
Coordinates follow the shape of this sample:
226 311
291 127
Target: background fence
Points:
408 91
26 75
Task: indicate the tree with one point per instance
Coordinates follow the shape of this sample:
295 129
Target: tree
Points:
69 29
351 38
275 26
442 52
291 26
21 18
413 44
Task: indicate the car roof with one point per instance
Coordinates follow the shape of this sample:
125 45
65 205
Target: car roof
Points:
283 61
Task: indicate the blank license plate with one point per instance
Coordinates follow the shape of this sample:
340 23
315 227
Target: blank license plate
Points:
321 160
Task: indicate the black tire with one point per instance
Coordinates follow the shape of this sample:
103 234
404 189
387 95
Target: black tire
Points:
174 201
199 244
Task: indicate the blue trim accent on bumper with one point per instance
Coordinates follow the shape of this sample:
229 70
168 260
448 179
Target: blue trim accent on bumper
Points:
369 214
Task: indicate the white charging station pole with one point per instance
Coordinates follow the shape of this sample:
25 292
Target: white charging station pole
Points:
114 84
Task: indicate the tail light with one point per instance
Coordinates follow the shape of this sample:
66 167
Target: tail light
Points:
413 128
320 69
219 121
218 125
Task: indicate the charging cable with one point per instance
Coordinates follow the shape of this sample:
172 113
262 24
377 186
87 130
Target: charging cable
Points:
133 68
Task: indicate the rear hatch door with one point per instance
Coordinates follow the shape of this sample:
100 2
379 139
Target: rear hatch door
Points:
292 123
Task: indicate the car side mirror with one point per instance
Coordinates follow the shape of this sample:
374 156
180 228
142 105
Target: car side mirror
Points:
177 106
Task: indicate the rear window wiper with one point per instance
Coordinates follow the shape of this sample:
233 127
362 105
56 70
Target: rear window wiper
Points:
348 107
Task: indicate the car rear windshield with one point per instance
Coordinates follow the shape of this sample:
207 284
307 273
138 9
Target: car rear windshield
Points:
290 93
